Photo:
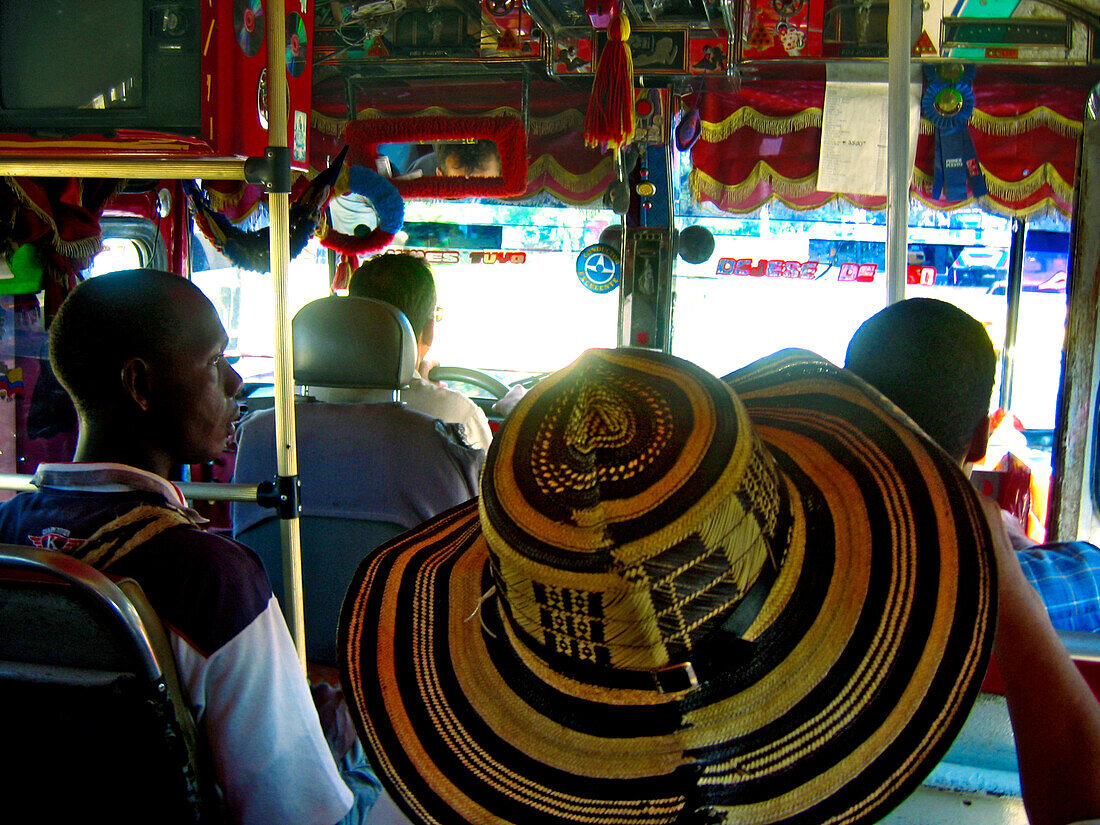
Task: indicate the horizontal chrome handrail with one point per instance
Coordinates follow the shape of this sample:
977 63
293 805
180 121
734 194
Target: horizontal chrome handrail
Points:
192 490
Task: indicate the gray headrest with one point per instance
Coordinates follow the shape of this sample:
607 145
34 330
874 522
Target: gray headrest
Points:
352 342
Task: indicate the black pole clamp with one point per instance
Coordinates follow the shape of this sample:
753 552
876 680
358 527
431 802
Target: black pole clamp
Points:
284 495
272 170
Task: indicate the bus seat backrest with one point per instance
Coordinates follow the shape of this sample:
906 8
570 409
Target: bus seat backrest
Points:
352 342
340 342
326 571
89 723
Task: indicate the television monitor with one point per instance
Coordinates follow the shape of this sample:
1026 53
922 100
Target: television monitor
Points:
93 66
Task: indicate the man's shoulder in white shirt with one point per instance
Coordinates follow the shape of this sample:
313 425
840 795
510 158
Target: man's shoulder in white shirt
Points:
449 406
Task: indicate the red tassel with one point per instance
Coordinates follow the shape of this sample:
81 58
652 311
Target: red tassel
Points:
610 117
344 270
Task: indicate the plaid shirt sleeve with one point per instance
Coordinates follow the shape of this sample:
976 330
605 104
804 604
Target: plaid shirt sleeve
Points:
1067 576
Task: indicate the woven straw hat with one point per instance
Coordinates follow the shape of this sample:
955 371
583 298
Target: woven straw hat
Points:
677 604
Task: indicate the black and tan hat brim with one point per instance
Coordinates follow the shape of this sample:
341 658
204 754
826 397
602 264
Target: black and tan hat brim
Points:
853 681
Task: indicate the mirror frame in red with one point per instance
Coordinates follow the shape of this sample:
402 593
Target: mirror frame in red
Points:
365 136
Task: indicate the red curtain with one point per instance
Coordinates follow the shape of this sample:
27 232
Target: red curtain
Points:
761 143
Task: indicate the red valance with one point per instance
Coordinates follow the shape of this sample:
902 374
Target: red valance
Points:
762 142
558 161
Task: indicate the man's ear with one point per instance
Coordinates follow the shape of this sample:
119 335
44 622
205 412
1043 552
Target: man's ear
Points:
427 335
136 381
979 441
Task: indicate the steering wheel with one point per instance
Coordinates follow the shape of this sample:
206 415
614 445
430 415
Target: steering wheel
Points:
497 389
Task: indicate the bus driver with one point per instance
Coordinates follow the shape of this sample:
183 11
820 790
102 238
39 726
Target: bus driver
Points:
406 282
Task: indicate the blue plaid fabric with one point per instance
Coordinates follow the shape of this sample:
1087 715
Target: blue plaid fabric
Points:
1067 576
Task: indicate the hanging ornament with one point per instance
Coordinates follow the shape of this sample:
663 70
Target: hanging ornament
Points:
609 120
600 12
252 250
947 103
388 206
688 129
346 265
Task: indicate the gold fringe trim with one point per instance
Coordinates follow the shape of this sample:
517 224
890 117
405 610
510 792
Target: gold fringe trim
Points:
783 188
219 201
75 250
549 166
703 184
567 121
79 250
566 197
1045 206
765 124
1016 190
802 207
23 198
331 126
1038 118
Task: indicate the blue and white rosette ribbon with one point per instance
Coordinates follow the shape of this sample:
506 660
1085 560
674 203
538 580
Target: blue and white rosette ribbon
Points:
948 103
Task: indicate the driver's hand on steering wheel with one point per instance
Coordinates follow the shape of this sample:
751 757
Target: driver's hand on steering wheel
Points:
425 368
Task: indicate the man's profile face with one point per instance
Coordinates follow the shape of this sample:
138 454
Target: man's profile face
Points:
194 386
489 168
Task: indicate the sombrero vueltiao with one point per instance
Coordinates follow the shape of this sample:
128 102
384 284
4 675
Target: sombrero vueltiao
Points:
675 604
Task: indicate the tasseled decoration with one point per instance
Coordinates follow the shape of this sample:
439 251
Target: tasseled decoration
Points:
610 117
345 267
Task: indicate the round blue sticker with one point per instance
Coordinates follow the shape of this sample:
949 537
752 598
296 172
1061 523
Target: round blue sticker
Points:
598 267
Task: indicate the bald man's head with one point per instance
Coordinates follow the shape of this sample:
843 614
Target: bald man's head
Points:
113 317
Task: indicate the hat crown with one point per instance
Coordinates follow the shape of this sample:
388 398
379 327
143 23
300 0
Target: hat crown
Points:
628 506
603 430
601 418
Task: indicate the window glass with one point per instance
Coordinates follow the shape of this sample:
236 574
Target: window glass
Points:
245 300
782 278
117 254
510 302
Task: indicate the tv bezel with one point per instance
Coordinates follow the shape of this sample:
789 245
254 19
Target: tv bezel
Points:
169 104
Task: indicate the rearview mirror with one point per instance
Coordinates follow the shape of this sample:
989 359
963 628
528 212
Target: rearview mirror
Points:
445 157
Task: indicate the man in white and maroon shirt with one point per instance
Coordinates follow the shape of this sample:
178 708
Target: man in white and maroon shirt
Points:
142 355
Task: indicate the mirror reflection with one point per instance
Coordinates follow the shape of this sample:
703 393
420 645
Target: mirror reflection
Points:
465 158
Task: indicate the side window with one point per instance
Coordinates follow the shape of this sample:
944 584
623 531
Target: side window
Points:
780 278
128 243
118 253
33 405
245 300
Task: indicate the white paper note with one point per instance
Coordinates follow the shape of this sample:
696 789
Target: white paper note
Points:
854 125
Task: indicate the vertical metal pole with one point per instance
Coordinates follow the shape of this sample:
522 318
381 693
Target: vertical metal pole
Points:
897 141
1013 292
279 209
626 281
668 278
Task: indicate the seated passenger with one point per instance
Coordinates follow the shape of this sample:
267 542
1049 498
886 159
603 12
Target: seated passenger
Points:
936 362
141 354
406 282
368 470
678 602
1055 715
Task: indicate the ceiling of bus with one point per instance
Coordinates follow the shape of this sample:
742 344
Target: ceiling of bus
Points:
403 39
560 14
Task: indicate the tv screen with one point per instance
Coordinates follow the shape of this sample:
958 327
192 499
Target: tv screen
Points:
69 66
83 55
